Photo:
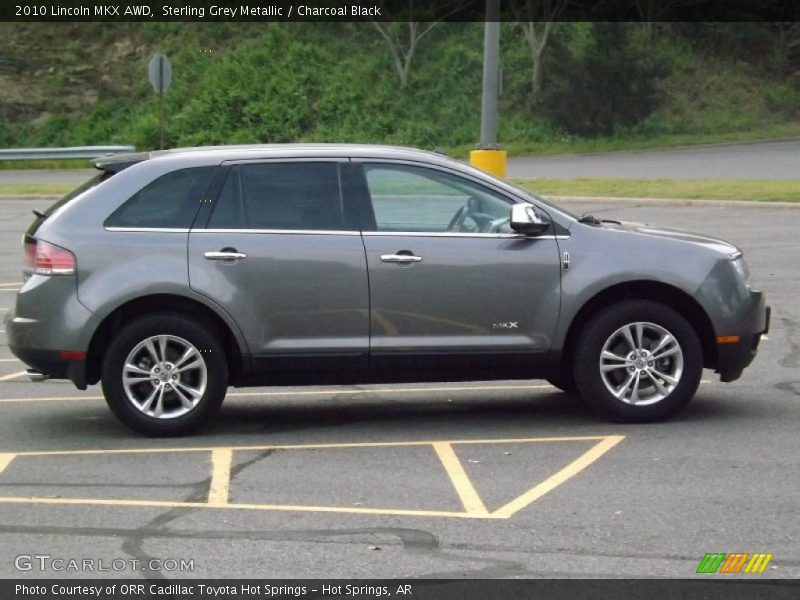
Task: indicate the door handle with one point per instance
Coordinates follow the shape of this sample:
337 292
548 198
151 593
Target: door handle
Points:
400 258
225 254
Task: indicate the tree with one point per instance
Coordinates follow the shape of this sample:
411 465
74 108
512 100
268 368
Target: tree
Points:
402 38
538 19
609 86
402 51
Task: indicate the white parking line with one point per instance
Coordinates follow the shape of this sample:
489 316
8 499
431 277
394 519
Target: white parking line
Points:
13 376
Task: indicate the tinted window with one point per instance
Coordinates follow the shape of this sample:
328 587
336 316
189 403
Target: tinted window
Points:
169 201
301 195
406 198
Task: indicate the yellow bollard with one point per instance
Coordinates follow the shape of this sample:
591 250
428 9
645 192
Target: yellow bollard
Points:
491 161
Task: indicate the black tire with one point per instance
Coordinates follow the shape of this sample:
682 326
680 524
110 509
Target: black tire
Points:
179 329
602 328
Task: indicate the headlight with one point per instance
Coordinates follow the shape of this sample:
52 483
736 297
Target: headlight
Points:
741 270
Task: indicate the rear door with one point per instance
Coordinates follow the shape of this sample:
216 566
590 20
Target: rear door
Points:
282 254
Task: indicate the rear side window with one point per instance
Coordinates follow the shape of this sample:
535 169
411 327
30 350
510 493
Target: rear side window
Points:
298 196
171 201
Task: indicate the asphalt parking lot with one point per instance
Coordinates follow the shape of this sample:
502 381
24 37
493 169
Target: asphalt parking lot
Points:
497 479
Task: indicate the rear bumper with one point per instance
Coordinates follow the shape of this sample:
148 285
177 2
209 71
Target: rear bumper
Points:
47 328
733 358
52 364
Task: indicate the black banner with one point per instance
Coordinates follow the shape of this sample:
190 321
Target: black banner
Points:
397 10
540 589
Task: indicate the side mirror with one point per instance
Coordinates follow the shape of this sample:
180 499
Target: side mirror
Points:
526 219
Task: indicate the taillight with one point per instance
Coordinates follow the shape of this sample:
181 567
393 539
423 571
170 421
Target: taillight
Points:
44 258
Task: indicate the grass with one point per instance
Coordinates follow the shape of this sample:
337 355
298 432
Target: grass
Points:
21 190
586 146
763 190
64 163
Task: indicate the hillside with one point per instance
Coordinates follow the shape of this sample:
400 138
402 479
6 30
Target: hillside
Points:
76 84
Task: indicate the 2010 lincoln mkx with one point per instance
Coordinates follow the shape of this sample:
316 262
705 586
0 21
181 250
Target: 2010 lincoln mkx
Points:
173 275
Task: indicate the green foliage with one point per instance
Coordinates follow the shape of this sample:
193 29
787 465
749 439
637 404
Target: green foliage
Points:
610 86
254 83
5 135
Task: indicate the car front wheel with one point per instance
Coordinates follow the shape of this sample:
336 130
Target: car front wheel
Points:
164 375
638 361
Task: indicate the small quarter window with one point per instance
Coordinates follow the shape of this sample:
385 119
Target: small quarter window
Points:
171 201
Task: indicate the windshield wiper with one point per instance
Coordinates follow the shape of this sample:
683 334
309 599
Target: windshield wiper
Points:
589 219
39 213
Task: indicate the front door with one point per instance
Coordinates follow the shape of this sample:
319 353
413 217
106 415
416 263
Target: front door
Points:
451 286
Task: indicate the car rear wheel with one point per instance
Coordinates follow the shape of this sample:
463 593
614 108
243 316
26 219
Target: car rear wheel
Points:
638 361
164 375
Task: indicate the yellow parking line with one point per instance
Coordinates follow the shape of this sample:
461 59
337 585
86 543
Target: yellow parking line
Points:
458 476
266 507
563 475
221 460
13 376
5 460
220 476
579 438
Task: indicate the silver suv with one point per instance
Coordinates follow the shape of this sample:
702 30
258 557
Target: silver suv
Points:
173 275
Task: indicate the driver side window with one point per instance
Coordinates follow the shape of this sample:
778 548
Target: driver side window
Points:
417 199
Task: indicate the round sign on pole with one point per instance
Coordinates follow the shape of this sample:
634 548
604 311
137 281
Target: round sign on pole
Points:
159 71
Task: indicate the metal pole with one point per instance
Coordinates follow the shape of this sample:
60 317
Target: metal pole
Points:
491 71
161 103
161 119
488 155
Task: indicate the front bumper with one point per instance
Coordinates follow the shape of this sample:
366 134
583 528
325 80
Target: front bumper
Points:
733 358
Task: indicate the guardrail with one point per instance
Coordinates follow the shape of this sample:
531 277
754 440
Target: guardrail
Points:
72 152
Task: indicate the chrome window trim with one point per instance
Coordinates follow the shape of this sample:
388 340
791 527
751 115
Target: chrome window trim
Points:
282 231
519 236
150 229
515 236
